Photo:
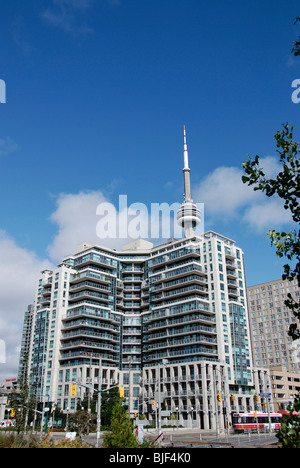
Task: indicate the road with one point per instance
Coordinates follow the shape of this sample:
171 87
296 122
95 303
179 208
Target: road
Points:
195 439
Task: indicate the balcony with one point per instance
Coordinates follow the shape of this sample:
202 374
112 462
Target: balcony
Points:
229 253
233 292
231 264
191 318
90 274
168 258
231 274
86 294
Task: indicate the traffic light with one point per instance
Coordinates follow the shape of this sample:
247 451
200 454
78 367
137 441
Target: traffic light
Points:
256 397
219 398
153 404
73 390
12 413
122 393
232 396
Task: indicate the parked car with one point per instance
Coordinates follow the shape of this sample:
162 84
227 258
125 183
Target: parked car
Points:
6 423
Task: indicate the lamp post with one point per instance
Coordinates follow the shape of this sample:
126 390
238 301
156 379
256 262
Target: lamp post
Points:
67 421
192 413
99 403
177 419
216 403
164 363
99 391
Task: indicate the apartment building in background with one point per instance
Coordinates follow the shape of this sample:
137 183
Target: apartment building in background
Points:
270 320
168 322
26 343
285 385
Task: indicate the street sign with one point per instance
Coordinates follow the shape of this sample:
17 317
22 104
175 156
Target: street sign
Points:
265 394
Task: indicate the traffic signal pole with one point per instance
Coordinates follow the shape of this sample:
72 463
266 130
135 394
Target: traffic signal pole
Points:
99 391
216 404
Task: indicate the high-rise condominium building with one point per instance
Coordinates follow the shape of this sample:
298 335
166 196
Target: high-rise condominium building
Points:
26 343
270 320
167 322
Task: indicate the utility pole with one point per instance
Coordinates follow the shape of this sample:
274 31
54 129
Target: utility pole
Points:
129 388
159 402
99 391
216 404
269 415
164 363
99 403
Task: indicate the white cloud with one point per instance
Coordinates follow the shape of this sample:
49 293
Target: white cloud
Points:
91 218
227 198
76 218
19 270
7 145
76 4
223 192
67 15
269 215
271 166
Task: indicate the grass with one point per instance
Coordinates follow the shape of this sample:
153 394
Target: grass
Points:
19 441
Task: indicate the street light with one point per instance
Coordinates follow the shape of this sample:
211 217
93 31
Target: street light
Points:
192 413
66 428
164 363
99 391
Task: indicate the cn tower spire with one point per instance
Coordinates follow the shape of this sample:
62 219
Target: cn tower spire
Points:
188 216
185 150
186 170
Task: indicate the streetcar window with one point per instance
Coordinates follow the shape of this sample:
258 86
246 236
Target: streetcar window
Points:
262 419
275 419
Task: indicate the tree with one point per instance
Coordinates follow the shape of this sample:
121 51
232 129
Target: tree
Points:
121 429
289 434
287 186
109 399
58 415
80 421
19 407
296 48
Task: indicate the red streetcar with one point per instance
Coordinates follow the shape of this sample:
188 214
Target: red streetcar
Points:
245 422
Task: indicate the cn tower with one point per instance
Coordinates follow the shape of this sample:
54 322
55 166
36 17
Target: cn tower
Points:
188 216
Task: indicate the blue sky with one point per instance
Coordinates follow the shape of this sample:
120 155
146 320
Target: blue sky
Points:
98 92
